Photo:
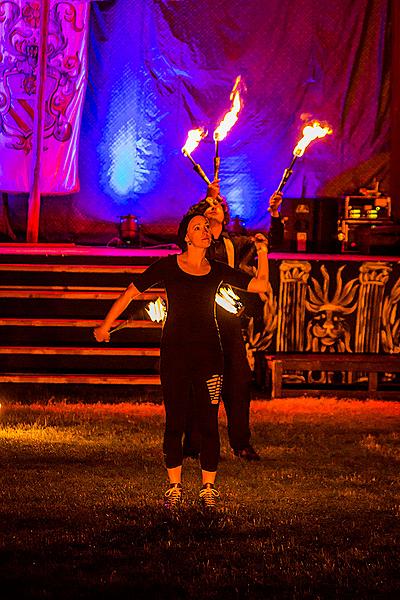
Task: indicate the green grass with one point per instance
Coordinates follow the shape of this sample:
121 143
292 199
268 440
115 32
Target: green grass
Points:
81 512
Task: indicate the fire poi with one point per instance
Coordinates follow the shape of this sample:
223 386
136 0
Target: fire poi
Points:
227 299
157 310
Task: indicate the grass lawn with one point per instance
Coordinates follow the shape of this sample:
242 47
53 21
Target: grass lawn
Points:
81 505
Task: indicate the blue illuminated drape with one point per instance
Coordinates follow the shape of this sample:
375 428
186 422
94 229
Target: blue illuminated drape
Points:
158 68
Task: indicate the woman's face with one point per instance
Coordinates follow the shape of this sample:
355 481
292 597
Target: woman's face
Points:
198 232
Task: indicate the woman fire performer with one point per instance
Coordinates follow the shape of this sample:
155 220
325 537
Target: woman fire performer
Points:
191 365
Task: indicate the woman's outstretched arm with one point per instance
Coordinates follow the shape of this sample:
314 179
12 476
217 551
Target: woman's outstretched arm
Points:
102 332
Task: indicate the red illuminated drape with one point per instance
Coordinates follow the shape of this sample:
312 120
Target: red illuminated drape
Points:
62 83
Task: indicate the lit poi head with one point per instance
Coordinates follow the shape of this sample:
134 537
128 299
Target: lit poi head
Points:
183 227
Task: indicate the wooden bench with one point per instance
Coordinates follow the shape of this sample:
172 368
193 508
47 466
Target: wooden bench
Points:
366 363
73 378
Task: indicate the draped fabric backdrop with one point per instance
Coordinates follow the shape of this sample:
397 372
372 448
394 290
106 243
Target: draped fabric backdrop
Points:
158 68
64 93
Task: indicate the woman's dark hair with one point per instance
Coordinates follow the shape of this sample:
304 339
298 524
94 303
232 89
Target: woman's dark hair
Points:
183 225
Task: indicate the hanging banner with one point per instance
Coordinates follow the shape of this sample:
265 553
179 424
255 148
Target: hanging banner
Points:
64 91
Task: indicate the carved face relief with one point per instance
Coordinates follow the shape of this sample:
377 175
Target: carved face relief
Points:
328 330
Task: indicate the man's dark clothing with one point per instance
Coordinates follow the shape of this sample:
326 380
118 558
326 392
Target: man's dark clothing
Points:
236 391
243 245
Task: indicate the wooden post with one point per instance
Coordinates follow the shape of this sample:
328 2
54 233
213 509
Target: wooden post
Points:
32 232
372 382
395 110
276 377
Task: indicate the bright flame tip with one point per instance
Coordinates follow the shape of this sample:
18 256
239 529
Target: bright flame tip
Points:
194 138
311 131
230 118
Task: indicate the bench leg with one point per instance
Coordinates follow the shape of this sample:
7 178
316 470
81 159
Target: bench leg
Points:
372 382
276 372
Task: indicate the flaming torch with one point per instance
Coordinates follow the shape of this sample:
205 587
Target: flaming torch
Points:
227 123
156 310
193 140
311 131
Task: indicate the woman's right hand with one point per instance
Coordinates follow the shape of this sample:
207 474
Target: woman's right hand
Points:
102 334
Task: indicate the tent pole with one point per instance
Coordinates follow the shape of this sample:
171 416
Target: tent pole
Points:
32 232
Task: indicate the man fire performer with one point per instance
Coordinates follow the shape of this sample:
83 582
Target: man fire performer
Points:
236 391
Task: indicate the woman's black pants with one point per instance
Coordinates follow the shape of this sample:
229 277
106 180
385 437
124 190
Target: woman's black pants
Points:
191 393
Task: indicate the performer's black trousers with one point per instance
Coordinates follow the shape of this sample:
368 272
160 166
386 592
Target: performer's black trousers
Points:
236 391
186 395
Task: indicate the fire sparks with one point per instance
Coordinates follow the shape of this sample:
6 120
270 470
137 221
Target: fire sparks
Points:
232 115
157 310
227 299
194 138
311 132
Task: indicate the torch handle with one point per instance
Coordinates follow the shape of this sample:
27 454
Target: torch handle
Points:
197 167
217 162
286 174
200 172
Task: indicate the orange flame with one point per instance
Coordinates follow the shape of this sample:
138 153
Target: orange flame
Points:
311 132
226 298
157 310
194 138
231 116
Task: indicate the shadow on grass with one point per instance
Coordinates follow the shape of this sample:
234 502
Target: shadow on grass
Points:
150 553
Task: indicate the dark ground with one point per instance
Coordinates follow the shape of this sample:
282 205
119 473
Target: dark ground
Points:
81 513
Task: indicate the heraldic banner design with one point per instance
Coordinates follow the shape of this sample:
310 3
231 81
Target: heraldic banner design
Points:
64 91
